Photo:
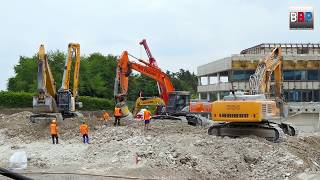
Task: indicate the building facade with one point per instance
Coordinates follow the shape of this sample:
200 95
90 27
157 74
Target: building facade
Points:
301 72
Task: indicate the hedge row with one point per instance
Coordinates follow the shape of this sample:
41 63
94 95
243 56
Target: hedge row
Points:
15 99
93 103
24 100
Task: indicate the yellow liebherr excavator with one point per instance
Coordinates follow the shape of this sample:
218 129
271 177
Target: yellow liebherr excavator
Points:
49 103
241 114
44 104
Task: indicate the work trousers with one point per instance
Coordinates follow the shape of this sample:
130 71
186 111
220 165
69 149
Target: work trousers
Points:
54 136
117 120
85 138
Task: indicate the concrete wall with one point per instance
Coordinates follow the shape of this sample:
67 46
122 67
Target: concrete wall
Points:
307 123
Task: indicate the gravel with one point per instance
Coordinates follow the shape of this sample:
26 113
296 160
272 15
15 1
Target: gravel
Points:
169 149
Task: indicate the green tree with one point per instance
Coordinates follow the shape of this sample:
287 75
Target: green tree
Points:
96 79
26 75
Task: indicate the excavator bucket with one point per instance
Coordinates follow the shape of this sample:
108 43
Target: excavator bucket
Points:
45 105
45 108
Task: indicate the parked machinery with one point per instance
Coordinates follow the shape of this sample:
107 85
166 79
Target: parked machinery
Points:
241 114
49 103
44 104
68 99
176 103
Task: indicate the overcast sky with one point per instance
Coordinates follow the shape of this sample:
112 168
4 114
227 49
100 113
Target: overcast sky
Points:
180 33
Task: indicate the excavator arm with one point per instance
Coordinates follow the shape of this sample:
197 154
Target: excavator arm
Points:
73 49
125 67
260 81
45 78
44 102
67 98
152 60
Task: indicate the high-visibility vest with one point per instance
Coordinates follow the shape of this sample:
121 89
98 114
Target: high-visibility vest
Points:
106 116
117 111
83 129
146 115
53 129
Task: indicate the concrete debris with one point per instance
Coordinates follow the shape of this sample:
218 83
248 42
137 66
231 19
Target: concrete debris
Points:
169 149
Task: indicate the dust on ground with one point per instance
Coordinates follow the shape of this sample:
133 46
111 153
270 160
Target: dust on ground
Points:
170 149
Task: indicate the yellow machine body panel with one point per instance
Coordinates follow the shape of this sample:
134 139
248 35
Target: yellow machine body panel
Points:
243 111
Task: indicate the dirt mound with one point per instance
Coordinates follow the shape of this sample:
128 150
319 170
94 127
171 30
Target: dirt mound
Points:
306 148
19 127
169 149
173 145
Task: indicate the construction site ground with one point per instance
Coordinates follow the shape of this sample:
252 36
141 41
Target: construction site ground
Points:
169 150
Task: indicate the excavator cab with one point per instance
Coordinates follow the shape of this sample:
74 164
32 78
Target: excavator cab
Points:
178 101
67 103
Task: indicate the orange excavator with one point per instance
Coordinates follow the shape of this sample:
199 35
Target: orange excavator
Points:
124 69
175 102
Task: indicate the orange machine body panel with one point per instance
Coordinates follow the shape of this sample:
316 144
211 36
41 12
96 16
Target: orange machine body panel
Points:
200 107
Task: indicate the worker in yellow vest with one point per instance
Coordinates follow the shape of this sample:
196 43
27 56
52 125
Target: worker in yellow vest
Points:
146 117
117 116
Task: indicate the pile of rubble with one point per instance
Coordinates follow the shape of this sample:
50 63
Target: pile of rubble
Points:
188 149
168 149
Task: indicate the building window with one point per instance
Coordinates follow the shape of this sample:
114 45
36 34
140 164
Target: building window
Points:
300 75
288 75
242 75
224 79
294 96
294 75
316 96
313 75
301 95
306 96
303 50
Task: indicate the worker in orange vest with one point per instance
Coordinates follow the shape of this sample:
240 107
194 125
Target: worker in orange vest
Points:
117 115
146 117
106 118
54 131
84 132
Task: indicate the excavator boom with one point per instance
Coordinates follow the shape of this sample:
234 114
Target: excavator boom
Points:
73 50
44 104
152 60
44 101
125 67
259 82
